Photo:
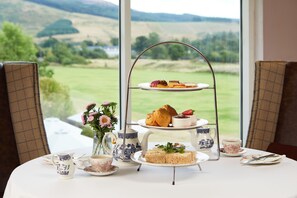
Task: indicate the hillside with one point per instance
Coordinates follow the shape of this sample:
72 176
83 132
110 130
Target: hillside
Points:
110 10
34 17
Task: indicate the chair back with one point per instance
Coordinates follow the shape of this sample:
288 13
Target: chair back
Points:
268 87
22 132
273 125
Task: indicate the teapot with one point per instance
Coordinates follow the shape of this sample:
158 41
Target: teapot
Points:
201 139
120 151
64 164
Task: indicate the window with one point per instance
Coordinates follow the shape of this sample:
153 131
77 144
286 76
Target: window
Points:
215 31
79 43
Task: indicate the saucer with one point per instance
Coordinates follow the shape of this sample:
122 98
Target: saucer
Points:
242 151
95 173
249 159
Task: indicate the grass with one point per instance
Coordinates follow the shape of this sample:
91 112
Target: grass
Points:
101 84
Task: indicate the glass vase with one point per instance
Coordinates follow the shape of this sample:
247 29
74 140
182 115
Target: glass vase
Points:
97 146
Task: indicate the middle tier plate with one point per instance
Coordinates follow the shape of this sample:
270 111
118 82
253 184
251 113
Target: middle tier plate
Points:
199 123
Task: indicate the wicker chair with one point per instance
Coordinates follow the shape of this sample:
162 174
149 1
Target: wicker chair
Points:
273 126
22 133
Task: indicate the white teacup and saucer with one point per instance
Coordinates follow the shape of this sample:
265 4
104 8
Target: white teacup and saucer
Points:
101 165
232 148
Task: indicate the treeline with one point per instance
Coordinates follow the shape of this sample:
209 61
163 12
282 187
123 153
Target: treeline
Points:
53 50
217 47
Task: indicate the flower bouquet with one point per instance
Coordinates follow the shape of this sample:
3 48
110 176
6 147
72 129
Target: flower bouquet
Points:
101 120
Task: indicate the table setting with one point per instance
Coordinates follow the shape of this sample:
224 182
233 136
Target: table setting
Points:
176 170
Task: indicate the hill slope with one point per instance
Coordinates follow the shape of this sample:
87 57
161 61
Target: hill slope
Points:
34 17
110 10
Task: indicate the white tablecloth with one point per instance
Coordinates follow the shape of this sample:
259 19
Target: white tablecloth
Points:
223 178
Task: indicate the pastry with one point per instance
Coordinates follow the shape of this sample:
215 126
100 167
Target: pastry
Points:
162 117
190 85
159 84
150 120
176 84
171 111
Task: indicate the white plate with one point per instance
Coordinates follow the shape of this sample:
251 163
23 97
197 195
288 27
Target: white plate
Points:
91 172
242 151
200 122
146 86
137 157
264 161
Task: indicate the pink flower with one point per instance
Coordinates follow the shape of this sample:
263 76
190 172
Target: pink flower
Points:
105 103
104 120
83 119
90 106
90 118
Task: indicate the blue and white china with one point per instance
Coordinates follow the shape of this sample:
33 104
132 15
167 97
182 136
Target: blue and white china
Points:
120 151
202 140
64 164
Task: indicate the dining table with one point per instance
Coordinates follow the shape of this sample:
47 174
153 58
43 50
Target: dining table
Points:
226 177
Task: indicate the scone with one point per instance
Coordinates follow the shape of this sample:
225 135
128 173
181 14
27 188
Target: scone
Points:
150 120
171 111
162 117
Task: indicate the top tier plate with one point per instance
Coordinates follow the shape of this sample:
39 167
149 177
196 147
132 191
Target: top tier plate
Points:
146 86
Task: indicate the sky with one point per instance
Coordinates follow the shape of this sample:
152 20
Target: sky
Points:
213 8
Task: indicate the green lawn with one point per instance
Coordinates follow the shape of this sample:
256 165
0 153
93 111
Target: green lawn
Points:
101 84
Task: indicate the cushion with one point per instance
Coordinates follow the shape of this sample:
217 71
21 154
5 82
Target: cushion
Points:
8 149
289 151
286 131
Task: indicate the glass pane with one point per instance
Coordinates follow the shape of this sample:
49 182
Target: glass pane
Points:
76 45
214 30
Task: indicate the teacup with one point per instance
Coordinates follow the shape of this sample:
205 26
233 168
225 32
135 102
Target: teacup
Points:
231 146
101 163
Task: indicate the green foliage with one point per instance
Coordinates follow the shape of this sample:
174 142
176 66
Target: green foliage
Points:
114 41
220 47
62 26
15 45
55 99
96 53
44 71
49 43
175 51
140 44
63 53
87 131
217 47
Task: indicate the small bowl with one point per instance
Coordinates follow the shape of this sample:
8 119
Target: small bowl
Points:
181 121
232 146
193 119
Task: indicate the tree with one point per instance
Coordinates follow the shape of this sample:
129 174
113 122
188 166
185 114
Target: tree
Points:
176 51
114 41
141 43
15 45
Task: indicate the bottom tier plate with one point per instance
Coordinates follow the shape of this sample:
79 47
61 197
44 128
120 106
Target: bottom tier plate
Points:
137 157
